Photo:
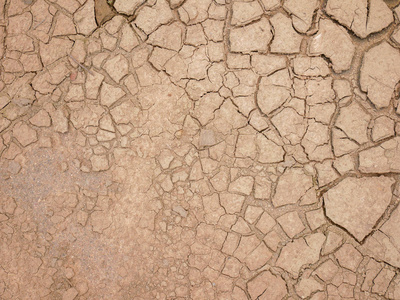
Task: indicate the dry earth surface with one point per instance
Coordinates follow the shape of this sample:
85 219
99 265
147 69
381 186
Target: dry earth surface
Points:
199 149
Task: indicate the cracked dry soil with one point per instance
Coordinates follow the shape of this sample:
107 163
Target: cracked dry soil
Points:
199 149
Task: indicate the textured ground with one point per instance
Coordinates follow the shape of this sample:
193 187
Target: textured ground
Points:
199 149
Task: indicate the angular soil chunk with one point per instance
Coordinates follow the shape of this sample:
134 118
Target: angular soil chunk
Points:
267 64
302 12
267 284
290 125
310 66
150 18
358 17
384 244
353 124
292 185
194 11
396 35
245 12
349 257
380 72
356 204
274 90
168 36
384 158
300 252
253 37
24 134
286 39
85 19
383 128
334 42
127 7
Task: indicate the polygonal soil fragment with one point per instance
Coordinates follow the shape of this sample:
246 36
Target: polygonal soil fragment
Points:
41 119
84 18
286 39
384 244
127 7
245 12
271 4
290 124
254 144
363 17
24 134
356 204
54 50
291 224
267 286
348 257
292 185
307 286
383 128
300 252
353 124
117 67
64 26
334 42
150 18
310 66
242 185
110 94
316 141
168 36
193 11
396 36
380 72
301 12
384 158
103 11
274 90
267 64
206 106
269 152
253 37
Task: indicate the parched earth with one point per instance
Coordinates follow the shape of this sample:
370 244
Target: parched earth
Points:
199 149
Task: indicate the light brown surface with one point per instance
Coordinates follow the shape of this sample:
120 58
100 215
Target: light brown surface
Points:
199 149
